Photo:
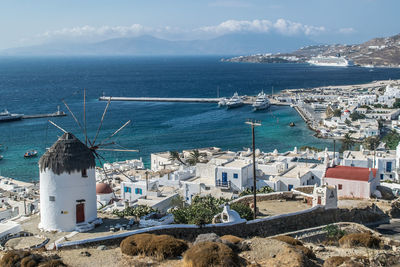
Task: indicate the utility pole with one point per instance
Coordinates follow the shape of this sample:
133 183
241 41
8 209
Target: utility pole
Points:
253 124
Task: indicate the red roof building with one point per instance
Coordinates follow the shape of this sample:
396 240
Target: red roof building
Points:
352 182
102 188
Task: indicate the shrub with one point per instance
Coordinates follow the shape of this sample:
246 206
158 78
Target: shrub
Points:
333 232
25 259
244 210
360 240
138 211
263 190
160 246
201 211
335 261
288 240
206 254
231 238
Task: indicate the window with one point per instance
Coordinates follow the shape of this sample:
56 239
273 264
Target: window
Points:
52 198
127 189
312 177
84 173
389 166
138 191
340 186
390 176
235 175
381 176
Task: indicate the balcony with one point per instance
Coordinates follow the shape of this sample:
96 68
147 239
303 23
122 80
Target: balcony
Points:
223 184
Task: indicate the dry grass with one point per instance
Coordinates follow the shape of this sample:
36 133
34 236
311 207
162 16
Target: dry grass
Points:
288 240
160 246
307 251
26 259
335 261
206 254
360 240
231 238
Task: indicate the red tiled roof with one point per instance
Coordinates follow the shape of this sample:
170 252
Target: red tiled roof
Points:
349 173
103 188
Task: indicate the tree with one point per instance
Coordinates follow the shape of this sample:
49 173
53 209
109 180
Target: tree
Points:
356 116
174 155
396 103
194 157
337 112
347 142
391 140
371 142
348 122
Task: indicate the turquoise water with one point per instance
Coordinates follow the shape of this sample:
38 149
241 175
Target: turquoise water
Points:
37 85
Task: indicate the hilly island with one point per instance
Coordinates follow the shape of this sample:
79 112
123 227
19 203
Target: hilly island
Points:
377 52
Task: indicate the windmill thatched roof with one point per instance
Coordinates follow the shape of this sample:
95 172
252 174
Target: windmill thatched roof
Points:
68 155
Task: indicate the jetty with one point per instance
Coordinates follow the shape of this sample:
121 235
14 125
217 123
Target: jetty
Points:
58 113
248 100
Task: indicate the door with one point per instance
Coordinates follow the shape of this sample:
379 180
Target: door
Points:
224 178
290 187
319 201
80 212
388 166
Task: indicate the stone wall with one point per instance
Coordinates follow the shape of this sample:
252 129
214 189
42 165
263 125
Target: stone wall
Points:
261 227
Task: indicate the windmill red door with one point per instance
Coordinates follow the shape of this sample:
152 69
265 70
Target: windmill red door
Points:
80 212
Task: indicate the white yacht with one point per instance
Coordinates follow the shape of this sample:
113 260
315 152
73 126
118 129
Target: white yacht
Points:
222 102
262 102
7 116
330 61
235 101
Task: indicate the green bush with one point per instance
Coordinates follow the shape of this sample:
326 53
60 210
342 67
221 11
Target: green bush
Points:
137 211
333 232
263 190
244 210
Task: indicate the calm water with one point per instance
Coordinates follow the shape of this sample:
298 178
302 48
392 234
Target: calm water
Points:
37 85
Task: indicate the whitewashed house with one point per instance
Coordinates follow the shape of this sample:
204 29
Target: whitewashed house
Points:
325 195
236 174
352 182
67 186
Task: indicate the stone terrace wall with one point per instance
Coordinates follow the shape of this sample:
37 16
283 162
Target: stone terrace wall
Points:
261 227
264 197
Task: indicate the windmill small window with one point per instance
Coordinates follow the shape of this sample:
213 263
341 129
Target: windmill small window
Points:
84 173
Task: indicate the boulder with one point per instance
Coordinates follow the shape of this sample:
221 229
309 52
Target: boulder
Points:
386 192
210 237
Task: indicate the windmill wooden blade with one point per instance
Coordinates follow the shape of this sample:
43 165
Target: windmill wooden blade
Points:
120 172
102 119
118 150
101 163
58 126
117 131
73 115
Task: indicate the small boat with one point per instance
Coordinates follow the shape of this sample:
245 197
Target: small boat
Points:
235 101
30 154
262 102
1 157
7 116
292 124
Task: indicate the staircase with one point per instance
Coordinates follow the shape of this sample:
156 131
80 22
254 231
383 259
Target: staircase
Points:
84 227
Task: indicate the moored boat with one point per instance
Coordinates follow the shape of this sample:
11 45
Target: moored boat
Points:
261 102
7 116
30 154
235 101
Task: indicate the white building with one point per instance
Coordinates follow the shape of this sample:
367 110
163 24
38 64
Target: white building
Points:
352 182
326 196
67 186
236 174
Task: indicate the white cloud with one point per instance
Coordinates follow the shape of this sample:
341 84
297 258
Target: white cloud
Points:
281 26
347 30
92 34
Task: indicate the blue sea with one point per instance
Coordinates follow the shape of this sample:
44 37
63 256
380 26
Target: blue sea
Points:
38 85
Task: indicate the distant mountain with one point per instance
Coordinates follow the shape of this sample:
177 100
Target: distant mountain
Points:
230 44
382 52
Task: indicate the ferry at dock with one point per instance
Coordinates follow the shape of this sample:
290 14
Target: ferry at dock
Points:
262 102
235 101
7 116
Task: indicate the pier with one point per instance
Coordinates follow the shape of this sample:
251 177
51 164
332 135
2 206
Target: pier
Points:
248 100
49 115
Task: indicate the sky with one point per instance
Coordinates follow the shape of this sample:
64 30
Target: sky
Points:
30 22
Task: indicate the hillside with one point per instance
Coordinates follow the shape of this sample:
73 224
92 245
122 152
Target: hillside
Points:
378 52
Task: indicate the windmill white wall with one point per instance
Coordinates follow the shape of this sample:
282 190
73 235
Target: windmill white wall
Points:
68 190
67 186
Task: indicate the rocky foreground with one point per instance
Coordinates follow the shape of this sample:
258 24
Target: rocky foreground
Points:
332 245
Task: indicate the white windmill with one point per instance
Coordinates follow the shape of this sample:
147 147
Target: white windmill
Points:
67 178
